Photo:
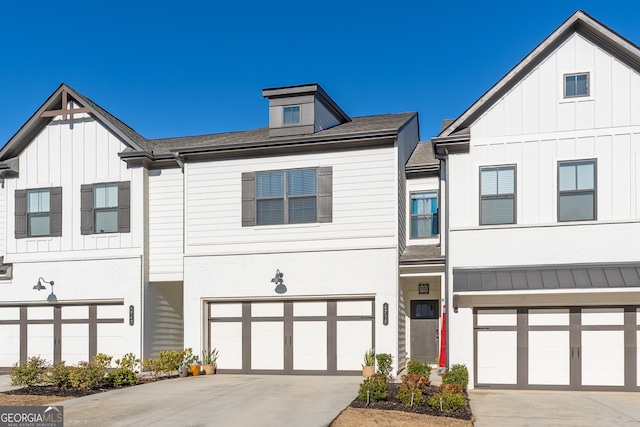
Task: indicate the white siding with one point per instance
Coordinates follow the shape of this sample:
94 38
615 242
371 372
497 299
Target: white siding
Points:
3 220
166 212
67 155
407 140
364 205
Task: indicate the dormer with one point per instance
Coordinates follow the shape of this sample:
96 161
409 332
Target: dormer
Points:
301 110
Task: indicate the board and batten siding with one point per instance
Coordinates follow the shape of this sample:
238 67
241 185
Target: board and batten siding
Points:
364 205
69 154
166 219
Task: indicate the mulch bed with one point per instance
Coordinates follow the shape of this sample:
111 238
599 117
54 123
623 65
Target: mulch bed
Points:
393 404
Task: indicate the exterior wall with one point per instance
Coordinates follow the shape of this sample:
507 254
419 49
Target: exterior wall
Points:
324 119
407 140
68 155
364 205
163 317
325 274
166 219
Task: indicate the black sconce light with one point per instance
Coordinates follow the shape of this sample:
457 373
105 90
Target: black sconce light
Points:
39 287
280 287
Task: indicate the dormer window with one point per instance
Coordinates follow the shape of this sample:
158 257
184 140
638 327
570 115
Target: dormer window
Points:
576 85
291 115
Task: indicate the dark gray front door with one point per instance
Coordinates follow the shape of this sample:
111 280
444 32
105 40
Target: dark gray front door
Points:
424 330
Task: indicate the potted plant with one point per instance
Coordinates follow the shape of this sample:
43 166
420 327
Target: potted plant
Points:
191 360
369 368
209 358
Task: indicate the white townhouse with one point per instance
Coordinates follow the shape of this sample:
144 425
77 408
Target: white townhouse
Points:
542 177
285 246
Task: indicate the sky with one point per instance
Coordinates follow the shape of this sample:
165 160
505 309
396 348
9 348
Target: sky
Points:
196 67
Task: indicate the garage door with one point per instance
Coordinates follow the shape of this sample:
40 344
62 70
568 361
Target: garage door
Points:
292 337
578 348
60 332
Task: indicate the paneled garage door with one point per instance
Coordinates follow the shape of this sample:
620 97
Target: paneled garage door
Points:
578 348
292 337
60 332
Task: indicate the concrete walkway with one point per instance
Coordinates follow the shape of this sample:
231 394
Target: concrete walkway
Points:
216 400
494 408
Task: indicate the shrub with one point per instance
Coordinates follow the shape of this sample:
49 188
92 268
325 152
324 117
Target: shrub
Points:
129 361
87 375
377 388
170 360
404 395
385 364
450 401
153 366
60 375
121 377
102 360
452 388
457 374
415 366
29 373
414 381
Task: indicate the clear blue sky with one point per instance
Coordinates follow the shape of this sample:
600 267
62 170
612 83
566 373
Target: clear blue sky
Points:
194 67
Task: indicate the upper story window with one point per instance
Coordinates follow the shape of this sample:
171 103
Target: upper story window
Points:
105 208
497 195
576 85
287 196
38 212
424 214
577 190
291 115
38 216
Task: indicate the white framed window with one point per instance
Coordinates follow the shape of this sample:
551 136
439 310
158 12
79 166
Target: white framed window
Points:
424 214
498 195
38 212
291 115
286 197
577 190
576 85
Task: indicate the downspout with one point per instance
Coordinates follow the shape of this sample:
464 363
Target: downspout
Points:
445 219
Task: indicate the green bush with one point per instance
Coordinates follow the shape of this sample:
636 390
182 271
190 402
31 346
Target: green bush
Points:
385 364
102 360
414 381
170 360
31 372
457 374
404 395
415 366
59 375
153 366
87 375
452 388
121 377
377 388
450 401
129 361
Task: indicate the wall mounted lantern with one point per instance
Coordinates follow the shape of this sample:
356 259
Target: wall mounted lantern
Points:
280 287
39 287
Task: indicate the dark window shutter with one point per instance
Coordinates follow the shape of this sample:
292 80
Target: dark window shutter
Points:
325 194
124 207
248 199
21 214
55 212
86 209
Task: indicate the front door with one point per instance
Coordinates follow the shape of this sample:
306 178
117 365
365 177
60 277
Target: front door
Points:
424 330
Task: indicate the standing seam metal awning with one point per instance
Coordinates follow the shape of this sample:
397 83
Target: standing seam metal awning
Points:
576 276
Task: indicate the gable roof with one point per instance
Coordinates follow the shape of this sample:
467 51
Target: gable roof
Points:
581 23
36 123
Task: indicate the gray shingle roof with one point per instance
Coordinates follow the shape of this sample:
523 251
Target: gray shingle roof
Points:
424 253
390 122
422 155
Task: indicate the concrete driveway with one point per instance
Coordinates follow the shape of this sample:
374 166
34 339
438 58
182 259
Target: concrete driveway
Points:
554 408
218 400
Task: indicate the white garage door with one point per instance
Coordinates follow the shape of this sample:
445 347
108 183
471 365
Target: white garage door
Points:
558 348
301 337
60 332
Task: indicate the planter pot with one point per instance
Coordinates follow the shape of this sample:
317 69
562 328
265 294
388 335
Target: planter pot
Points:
183 372
209 369
368 371
195 370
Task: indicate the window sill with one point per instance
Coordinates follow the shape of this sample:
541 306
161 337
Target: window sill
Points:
577 99
285 226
